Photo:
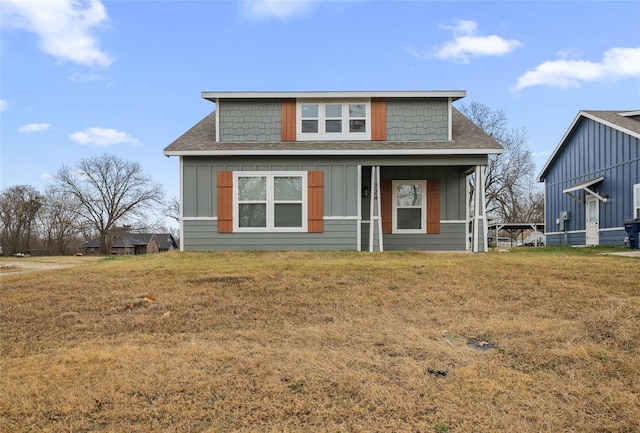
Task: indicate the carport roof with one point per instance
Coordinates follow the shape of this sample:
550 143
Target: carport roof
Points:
516 226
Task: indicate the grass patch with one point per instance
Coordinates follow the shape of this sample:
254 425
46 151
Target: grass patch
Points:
545 339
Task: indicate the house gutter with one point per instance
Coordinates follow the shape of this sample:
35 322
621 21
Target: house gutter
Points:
311 152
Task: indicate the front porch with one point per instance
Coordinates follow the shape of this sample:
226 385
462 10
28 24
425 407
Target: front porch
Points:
421 208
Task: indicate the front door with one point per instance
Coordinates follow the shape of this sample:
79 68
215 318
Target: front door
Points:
593 220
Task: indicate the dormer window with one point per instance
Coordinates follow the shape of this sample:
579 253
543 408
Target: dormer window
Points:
333 120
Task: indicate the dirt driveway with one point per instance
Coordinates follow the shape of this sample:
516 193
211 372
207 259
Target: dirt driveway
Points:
14 265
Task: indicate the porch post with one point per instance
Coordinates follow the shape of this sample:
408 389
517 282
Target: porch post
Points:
375 221
479 234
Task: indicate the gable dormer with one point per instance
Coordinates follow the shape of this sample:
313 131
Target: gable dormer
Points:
416 116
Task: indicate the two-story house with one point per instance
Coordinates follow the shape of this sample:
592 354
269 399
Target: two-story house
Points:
343 170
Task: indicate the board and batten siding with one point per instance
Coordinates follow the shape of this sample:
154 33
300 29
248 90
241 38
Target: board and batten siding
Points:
202 235
336 183
200 182
592 150
452 231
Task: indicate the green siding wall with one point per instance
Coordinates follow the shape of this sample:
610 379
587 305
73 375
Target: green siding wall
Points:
202 235
201 181
247 120
417 120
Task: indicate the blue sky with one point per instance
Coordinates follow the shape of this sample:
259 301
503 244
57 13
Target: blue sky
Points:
81 78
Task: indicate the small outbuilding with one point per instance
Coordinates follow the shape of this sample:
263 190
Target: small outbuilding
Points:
592 179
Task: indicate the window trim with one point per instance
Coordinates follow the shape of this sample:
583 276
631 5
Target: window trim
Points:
423 207
636 203
321 135
270 202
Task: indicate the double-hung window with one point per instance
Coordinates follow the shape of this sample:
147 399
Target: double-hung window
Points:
409 206
270 201
334 120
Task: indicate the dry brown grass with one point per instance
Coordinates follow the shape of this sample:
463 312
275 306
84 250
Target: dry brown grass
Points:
351 342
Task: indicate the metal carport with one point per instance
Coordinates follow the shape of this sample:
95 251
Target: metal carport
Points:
512 227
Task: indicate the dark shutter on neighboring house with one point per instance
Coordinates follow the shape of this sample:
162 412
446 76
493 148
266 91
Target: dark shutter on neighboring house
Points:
288 120
225 202
378 119
315 210
433 206
386 206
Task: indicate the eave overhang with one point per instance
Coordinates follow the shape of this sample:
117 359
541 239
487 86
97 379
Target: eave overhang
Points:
453 94
345 152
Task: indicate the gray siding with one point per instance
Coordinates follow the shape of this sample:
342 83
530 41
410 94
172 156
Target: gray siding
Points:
250 120
200 181
450 238
202 235
261 121
417 120
452 186
340 195
594 150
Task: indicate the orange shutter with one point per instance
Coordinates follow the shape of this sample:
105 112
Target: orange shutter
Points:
288 120
225 202
433 206
315 211
378 119
386 206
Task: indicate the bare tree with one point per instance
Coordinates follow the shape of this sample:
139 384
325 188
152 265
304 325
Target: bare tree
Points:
510 186
111 191
58 224
19 206
173 209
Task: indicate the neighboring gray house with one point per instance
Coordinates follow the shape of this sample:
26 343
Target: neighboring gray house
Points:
353 170
592 179
135 243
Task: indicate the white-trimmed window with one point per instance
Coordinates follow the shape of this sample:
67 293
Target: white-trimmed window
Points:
409 206
334 120
636 200
270 201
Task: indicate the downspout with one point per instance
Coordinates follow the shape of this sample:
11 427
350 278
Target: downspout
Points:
217 120
380 246
450 123
181 204
359 211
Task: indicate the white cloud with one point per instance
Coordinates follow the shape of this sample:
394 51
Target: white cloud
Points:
80 77
102 137
467 43
4 104
617 63
280 9
46 177
34 127
64 27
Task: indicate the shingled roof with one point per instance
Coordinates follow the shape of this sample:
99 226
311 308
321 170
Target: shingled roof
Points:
129 240
200 140
624 121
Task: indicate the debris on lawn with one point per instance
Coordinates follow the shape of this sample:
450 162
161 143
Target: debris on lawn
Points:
437 373
481 344
137 302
